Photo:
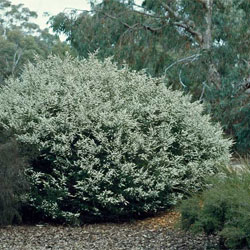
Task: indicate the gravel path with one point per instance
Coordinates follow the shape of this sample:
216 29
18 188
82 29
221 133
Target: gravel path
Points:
155 233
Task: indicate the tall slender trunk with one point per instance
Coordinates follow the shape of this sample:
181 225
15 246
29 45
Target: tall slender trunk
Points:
207 36
213 76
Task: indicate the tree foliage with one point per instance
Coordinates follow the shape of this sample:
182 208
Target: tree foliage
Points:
200 46
20 39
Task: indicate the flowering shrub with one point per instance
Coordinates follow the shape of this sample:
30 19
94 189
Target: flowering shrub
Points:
111 142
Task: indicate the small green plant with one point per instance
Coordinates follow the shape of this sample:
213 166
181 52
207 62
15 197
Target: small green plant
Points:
111 142
223 209
13 184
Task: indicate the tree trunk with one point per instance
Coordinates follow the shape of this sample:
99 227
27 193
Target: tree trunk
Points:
213 77
207 36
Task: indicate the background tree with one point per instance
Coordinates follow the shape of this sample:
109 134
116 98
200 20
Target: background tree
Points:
200 46
20 39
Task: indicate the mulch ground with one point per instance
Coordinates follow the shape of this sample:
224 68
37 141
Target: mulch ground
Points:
155 233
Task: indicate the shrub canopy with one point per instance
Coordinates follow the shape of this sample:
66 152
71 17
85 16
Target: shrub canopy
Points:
109 141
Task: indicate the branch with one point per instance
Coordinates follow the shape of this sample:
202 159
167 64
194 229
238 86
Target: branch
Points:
202 92
16 59
245 85
189 58
184 23
135 27
203 2
7 64
190 30
126 31
154 30
171 11
105 14
88 11
115 18
181 82
247 62
147 14
135 11
138 6
187 25
147 27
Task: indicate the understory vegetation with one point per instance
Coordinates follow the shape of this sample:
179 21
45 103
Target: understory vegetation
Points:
13 183
222 209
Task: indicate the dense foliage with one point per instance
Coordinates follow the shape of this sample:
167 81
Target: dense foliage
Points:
13 184
199 46
223 209
110 142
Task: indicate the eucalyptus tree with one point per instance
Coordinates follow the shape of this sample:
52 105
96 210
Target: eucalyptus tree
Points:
133 32
20 39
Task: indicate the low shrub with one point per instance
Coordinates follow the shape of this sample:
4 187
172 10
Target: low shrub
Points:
223 209
111 142
13 183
